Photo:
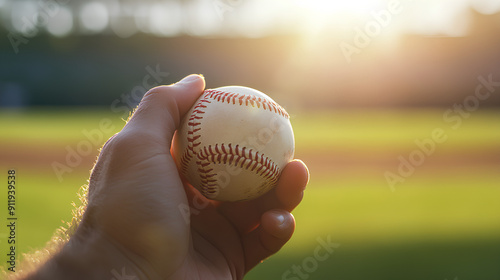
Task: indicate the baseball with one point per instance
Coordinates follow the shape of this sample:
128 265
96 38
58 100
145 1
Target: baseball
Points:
233 143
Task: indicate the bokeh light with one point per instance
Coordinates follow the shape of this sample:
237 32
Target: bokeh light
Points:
23 17
94 16
252 18
162 19
62 23
201 19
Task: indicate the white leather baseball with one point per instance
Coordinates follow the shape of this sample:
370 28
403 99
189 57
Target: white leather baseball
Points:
234 143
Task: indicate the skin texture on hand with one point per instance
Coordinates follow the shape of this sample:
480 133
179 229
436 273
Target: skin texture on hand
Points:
143 220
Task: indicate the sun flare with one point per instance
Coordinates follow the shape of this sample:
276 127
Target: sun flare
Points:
320 14
332 7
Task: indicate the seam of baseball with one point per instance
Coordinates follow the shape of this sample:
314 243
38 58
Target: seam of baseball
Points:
268 169
245 158
193 127
248 100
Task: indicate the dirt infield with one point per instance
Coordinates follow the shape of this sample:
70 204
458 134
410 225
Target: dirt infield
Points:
320 163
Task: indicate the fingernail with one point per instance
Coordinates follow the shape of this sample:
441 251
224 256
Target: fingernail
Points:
189 79
281 219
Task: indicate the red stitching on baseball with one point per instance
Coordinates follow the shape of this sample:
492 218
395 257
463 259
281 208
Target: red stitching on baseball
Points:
193 140
208 186
242 157
229 97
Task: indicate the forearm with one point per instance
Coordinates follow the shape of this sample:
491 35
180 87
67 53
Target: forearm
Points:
89 257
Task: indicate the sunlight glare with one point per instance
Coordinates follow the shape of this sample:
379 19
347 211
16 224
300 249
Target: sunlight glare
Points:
329 7
487 7
320 15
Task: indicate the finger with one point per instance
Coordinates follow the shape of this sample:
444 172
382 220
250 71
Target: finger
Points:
288 193
290 188
162 108
276 228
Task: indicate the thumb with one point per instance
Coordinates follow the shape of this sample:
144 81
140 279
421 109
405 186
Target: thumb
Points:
162 108
190 88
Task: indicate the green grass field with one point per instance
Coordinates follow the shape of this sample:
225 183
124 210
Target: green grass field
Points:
442 222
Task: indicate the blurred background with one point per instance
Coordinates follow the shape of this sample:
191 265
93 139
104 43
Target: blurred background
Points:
395 108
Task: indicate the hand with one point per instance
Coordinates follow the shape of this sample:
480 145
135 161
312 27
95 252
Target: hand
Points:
138 210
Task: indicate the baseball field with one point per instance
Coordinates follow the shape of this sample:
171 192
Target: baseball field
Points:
394 194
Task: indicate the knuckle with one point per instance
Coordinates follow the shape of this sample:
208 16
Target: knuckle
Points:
154 91
121 143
